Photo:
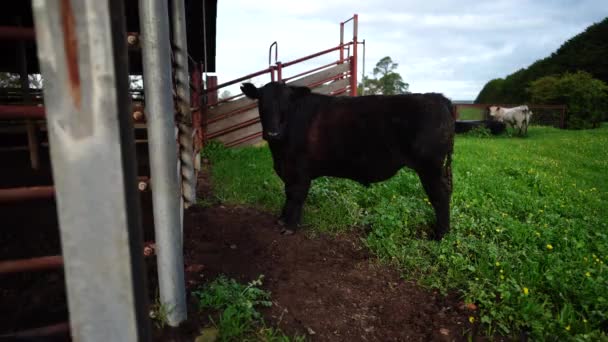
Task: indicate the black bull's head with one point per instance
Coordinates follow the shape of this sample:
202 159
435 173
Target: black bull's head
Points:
275 101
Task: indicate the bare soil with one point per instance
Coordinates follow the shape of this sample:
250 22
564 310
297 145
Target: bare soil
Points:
327 288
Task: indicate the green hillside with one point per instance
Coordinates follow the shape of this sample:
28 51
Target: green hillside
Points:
586 51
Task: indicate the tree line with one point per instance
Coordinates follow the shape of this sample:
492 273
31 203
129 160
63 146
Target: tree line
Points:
576 75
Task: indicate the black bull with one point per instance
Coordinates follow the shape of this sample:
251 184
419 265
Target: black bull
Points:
366 139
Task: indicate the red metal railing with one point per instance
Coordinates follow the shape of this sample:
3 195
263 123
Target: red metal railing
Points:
12 195
276 73
17 33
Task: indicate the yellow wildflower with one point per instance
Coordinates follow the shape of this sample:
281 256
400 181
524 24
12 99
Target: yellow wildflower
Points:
471 319
497 264
549 247
568 328
588 274
526 291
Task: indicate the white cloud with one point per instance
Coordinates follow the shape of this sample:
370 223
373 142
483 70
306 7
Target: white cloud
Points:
440 45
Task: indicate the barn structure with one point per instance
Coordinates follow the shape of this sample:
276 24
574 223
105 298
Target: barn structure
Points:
107 141
84 148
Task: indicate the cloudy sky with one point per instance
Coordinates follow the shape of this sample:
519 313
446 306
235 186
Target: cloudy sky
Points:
447 46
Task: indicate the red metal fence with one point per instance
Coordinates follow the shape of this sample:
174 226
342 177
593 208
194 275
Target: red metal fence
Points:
234 120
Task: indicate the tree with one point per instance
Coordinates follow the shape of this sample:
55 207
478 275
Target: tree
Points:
225 94
585 51
386 80
585 97
10 80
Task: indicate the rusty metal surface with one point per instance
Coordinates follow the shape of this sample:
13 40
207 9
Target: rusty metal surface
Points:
32 264
83 59
26 193
46 331
16 33
10 112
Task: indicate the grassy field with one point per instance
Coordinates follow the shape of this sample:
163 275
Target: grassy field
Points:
528 243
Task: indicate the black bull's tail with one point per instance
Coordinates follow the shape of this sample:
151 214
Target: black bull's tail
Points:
447 167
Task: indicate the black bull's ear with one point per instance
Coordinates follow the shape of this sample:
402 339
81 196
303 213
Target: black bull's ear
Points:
250 91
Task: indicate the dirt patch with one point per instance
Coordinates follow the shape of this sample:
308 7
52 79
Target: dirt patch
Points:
327 288
327 285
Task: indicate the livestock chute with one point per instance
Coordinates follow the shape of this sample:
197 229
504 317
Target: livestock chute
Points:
234 121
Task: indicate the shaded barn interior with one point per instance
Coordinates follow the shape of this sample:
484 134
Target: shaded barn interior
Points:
29 227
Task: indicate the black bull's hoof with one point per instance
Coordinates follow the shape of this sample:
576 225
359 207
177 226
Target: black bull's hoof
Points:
286 231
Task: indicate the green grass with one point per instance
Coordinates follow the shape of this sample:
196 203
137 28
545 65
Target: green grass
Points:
470 113
235 307
529 231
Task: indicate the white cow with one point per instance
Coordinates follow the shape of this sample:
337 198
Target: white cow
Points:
516 117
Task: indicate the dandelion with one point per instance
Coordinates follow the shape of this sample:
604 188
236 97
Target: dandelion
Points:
549 247
471 319
588 274
526 291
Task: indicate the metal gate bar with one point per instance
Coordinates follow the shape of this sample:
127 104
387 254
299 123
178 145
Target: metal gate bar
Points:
83 60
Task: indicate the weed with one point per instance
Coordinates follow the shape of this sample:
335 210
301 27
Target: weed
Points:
528 242
236 307
159 313
479 132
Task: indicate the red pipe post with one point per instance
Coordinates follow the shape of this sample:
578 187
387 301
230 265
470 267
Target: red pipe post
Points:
342 42
311 70
49 330
279 72
212 89
295 61
32 264
26 193
17 33
246 77
11 195
11 112
353 74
